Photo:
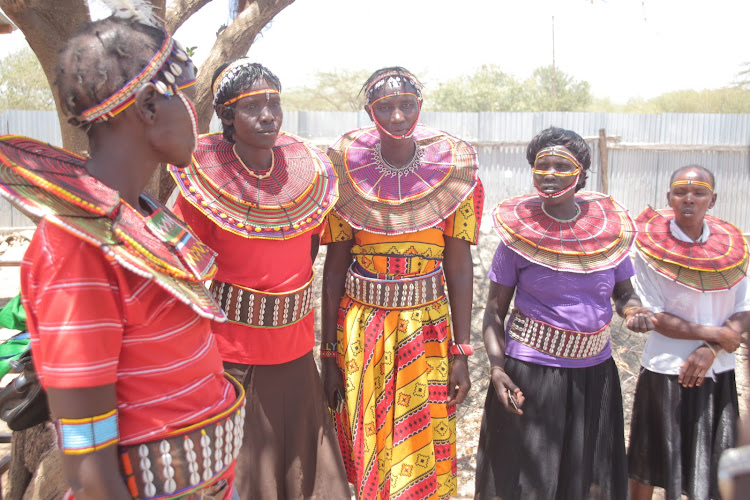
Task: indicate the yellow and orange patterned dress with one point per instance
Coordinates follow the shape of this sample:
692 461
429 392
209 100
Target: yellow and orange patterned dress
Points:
396 432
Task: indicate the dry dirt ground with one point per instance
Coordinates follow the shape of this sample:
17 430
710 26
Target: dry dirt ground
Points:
626 348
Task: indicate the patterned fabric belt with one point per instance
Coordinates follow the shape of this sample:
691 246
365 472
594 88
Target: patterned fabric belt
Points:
187 460
263 309
404 293
556 341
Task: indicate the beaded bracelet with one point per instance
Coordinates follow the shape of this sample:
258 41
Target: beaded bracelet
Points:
713 351
461 349
496 367
86 435
327 353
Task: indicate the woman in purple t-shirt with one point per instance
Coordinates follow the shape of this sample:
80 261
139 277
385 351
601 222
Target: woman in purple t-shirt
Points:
553 423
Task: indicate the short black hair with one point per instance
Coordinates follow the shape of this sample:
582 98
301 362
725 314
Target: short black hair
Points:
89 73
555 136
693 167
243 77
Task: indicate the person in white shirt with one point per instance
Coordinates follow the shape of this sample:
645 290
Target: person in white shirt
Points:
691 275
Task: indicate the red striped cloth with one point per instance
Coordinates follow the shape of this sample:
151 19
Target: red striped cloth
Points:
94 323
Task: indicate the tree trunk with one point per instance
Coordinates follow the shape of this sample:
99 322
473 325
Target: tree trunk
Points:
47 25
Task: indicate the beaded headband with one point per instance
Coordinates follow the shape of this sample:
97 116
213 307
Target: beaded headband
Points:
251 93
690 181
562 153
393 78
228 74
160 64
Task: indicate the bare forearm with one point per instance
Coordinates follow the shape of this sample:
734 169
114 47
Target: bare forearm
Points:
459 277
96 476
493 326
675 327
338 258
739 322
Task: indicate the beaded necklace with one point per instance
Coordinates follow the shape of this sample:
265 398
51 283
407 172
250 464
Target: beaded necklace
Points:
391 170
251 171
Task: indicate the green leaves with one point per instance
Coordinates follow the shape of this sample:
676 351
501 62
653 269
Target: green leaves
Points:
23 84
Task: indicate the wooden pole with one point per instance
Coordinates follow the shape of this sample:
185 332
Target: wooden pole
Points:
603 160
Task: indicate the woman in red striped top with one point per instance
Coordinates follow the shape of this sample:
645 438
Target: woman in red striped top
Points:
113 282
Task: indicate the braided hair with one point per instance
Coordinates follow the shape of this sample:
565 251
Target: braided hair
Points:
237 82
100 59
554 136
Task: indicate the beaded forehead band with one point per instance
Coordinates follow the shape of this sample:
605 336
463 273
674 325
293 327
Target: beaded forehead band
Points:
228 74
268 93
562 153
690 181
160 64
391 80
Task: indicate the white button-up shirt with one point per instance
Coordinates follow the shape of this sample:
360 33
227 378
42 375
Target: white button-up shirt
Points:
662 354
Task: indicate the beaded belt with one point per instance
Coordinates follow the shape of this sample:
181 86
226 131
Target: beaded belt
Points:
263 309
188 459
398 293
556 341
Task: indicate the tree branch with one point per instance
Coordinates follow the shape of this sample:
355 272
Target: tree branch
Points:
180 11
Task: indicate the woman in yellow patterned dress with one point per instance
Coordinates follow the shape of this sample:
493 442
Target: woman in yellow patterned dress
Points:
410 207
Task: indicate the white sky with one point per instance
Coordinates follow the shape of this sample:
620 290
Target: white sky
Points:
624 48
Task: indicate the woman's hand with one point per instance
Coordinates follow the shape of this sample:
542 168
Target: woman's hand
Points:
639 319
693 370
333 382
507 392
727 338
459 382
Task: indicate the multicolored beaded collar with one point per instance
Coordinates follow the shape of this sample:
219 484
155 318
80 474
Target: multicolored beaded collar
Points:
383 199
160 64
599 238
717 264
291 198
52 183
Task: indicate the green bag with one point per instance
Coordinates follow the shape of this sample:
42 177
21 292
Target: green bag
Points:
12 316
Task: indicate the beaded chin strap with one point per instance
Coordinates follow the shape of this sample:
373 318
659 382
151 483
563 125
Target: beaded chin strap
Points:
562 153
394 80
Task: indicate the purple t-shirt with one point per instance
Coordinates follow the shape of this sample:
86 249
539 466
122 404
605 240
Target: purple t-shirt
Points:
573 301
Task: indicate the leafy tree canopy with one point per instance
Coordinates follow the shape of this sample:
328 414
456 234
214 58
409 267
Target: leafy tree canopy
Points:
330 91
23 84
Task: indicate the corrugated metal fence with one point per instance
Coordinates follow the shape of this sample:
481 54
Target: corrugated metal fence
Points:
642 150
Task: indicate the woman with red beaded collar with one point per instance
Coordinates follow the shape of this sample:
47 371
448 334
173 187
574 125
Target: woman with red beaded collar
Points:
258 196
691 273
410 207
553 422
113 283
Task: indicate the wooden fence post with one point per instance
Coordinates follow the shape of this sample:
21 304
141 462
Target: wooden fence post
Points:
603 160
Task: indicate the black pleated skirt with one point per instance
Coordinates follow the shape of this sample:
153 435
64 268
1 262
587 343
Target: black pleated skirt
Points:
677 433
568 445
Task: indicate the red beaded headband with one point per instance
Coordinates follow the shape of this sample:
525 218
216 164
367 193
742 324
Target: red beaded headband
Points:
251 93
124 97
